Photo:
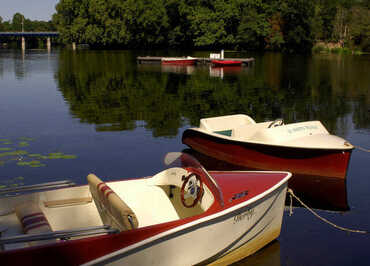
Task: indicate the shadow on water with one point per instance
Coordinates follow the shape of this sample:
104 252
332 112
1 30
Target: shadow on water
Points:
269 255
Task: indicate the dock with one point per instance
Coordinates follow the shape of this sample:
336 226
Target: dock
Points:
199 60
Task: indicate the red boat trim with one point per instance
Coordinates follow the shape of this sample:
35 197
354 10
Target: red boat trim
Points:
321 162
121 254
226 62
76 252
179 62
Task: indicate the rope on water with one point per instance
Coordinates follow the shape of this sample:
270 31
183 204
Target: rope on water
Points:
346 143
291 194
362 149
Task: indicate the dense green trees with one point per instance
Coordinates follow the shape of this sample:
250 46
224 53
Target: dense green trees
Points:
287 25
28 25
291 25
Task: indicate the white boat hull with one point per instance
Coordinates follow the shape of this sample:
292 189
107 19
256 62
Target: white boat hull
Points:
222 238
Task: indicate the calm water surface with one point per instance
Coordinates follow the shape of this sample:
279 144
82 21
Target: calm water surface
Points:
66 114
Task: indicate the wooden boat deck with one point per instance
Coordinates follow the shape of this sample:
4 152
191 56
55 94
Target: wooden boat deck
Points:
199 60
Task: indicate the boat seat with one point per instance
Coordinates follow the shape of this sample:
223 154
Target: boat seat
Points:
247 132
112 209
33 221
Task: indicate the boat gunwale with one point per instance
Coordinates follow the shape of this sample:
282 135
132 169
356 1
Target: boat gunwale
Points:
205 218
183 224
227 138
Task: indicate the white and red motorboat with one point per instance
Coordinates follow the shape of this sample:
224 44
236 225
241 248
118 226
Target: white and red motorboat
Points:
304 148
178 60
183 215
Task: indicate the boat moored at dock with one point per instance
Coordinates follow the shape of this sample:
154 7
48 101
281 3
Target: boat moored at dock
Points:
178 60
301 148
222 62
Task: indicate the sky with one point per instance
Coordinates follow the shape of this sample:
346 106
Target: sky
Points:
31 9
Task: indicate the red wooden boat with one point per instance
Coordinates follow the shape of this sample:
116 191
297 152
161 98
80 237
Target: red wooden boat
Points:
302 148
222 62
183 215
178 60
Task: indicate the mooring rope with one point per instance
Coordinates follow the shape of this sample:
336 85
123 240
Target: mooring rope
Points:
360 148
346 143
291 194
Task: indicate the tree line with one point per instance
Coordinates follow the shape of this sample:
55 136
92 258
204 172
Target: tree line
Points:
287 25
283 25
19 23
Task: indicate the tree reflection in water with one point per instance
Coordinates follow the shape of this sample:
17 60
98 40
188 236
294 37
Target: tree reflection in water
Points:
109 89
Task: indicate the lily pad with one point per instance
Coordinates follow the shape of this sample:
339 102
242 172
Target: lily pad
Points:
38 165
33 163
26 139
23 144
13 153
35 155
69 156
5 149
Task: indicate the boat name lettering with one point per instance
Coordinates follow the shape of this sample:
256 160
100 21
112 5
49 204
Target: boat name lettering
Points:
239 195
246 215
297 129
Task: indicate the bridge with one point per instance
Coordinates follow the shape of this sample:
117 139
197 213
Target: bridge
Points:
23 35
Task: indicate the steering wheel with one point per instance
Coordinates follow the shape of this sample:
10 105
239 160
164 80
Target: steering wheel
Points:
276 123
193 190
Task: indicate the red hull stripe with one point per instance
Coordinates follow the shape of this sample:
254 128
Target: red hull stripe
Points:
328 163
179 62
76 252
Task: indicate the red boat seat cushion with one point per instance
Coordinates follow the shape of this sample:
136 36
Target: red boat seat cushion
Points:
112 209
33 221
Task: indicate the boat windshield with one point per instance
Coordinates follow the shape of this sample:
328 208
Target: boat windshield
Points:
184 160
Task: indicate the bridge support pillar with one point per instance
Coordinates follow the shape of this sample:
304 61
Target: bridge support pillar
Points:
23 43
48 43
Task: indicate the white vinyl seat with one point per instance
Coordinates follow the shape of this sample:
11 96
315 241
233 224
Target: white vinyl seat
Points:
112 209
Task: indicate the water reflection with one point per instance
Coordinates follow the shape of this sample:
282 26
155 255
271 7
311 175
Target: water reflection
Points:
269 255
19 65
318 192
110 90
24 64
220 72
177 69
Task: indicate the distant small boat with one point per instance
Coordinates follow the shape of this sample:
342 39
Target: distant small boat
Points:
183 215
178 60
301 148
226 62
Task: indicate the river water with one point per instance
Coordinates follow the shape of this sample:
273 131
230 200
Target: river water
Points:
65 114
